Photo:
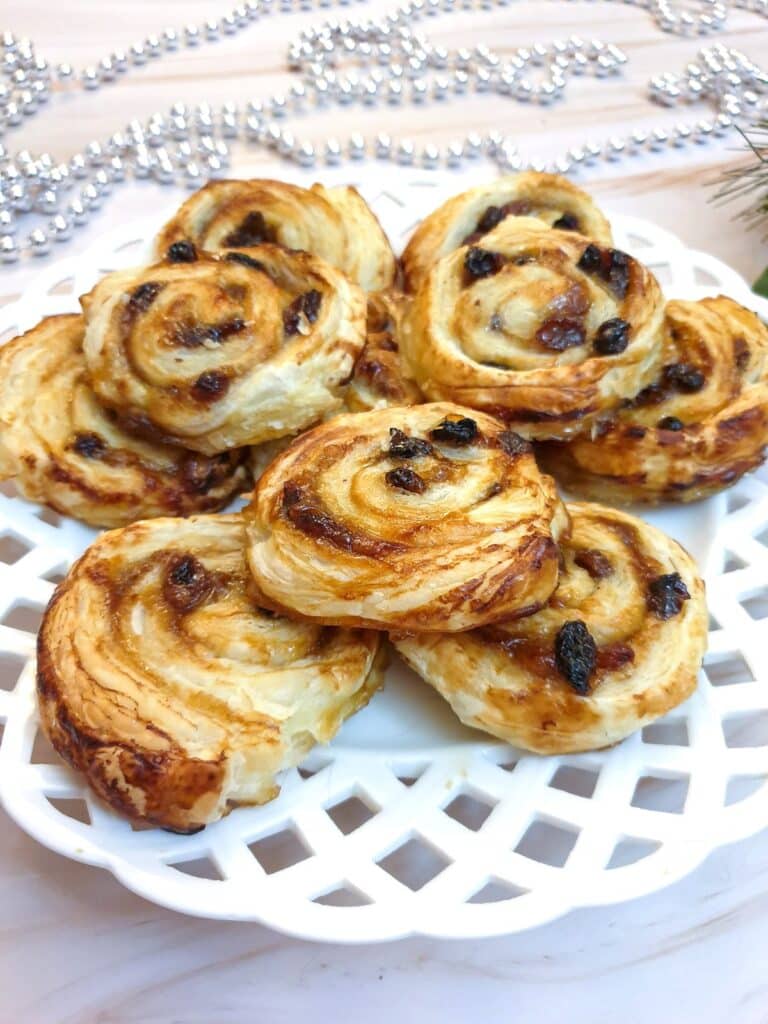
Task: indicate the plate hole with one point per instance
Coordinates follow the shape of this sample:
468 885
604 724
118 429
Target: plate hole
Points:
469 811
705 277
12 549
24 616
713 623
579 781
306 771
667 733
762 537
6 300
10 669
748 729
203 867
73 807
496 891
509 766
345 896
141 826
653 793
279 851
42 750
734 562
412 776
55 575
736 501
756 606
350 814
547 844
630 851
743 787
728 671
414 864
47 515
65 287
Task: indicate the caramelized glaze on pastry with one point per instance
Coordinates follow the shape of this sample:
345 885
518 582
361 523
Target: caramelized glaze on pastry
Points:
696 429
619 644
63 449
467 218
425 517
164 682
215 352
380 377
335 224
542 328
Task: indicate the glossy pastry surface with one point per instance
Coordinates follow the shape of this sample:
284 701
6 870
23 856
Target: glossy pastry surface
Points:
163 680
424 517
697 428
381 376
540 327
618 644
63 449
215 352
467 218
335 224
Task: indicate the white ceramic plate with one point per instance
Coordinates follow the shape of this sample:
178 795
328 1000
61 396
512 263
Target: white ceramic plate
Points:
408 822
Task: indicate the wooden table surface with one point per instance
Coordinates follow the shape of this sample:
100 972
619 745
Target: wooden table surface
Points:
75 946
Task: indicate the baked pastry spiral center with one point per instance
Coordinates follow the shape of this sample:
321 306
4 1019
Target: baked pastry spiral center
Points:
177 328
535 312
162 677
617 644
215 352
415 516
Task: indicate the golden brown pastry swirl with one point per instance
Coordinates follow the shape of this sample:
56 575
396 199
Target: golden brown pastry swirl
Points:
424 517
176 695
697 428
619 644
380 377
467 218
63 449
335 224
214 352
539 327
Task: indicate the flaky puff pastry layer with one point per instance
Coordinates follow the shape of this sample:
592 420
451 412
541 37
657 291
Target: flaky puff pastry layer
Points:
415 517
63 449
335 224
467 218
163 681
381 377
696 429
224 350
509 681
539 327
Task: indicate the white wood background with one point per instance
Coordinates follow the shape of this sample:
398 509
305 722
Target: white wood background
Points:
75 948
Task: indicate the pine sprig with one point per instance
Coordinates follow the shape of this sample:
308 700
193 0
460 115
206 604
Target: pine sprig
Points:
746 181
751 181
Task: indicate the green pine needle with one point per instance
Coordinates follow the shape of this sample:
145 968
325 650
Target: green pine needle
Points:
751 181
760 287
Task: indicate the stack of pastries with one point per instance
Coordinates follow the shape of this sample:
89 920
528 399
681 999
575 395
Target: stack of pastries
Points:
396 418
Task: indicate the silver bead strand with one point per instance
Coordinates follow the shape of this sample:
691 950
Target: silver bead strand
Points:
392 63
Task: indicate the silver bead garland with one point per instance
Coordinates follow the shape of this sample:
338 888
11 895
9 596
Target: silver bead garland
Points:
343 62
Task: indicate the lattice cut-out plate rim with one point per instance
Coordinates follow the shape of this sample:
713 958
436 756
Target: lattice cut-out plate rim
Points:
407 796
